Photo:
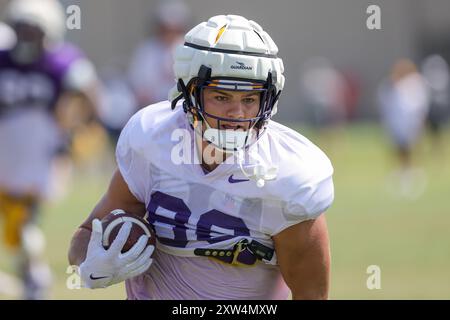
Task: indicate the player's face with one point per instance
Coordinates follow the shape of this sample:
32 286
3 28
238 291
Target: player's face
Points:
30 42
230 105
29 33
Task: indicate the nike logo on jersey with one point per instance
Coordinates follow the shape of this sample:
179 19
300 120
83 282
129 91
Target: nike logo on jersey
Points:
97 278
232 180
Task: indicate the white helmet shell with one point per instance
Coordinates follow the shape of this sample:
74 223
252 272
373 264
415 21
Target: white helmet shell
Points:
231 46
46 14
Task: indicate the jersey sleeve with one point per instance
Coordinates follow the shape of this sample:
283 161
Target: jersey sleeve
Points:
80 75
308 200
312 200
133 166
75 71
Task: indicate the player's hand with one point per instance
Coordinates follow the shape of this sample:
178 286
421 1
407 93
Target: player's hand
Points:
103 268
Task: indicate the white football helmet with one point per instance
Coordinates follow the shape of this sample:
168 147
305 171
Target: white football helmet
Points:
48 15
228 52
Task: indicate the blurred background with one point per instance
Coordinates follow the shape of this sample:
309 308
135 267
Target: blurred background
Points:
376 101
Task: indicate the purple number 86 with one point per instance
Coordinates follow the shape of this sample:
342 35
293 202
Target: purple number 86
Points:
213 226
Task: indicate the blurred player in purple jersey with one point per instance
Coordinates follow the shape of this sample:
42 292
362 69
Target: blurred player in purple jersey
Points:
36 74
236 200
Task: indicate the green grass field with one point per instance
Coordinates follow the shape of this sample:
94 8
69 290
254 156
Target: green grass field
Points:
369 224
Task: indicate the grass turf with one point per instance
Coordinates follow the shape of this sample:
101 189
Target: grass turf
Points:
369 222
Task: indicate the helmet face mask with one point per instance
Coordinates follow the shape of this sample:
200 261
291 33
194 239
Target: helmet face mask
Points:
249 128
228 53
30 42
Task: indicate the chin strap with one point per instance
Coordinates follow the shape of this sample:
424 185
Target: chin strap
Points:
262 172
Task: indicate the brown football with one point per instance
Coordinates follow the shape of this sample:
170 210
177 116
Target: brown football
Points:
113 222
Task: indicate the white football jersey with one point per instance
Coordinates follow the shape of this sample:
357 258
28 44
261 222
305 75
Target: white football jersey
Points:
192 209
27 143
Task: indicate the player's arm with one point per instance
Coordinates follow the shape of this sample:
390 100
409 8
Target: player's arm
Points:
78 104
75 108
117 196
303 255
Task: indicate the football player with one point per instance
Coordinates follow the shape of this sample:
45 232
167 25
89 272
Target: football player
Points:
35 75
238 208
150 71
404 101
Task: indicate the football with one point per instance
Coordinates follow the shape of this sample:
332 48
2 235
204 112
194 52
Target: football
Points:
113 222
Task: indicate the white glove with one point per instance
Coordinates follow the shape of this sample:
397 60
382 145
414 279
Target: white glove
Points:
103 268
